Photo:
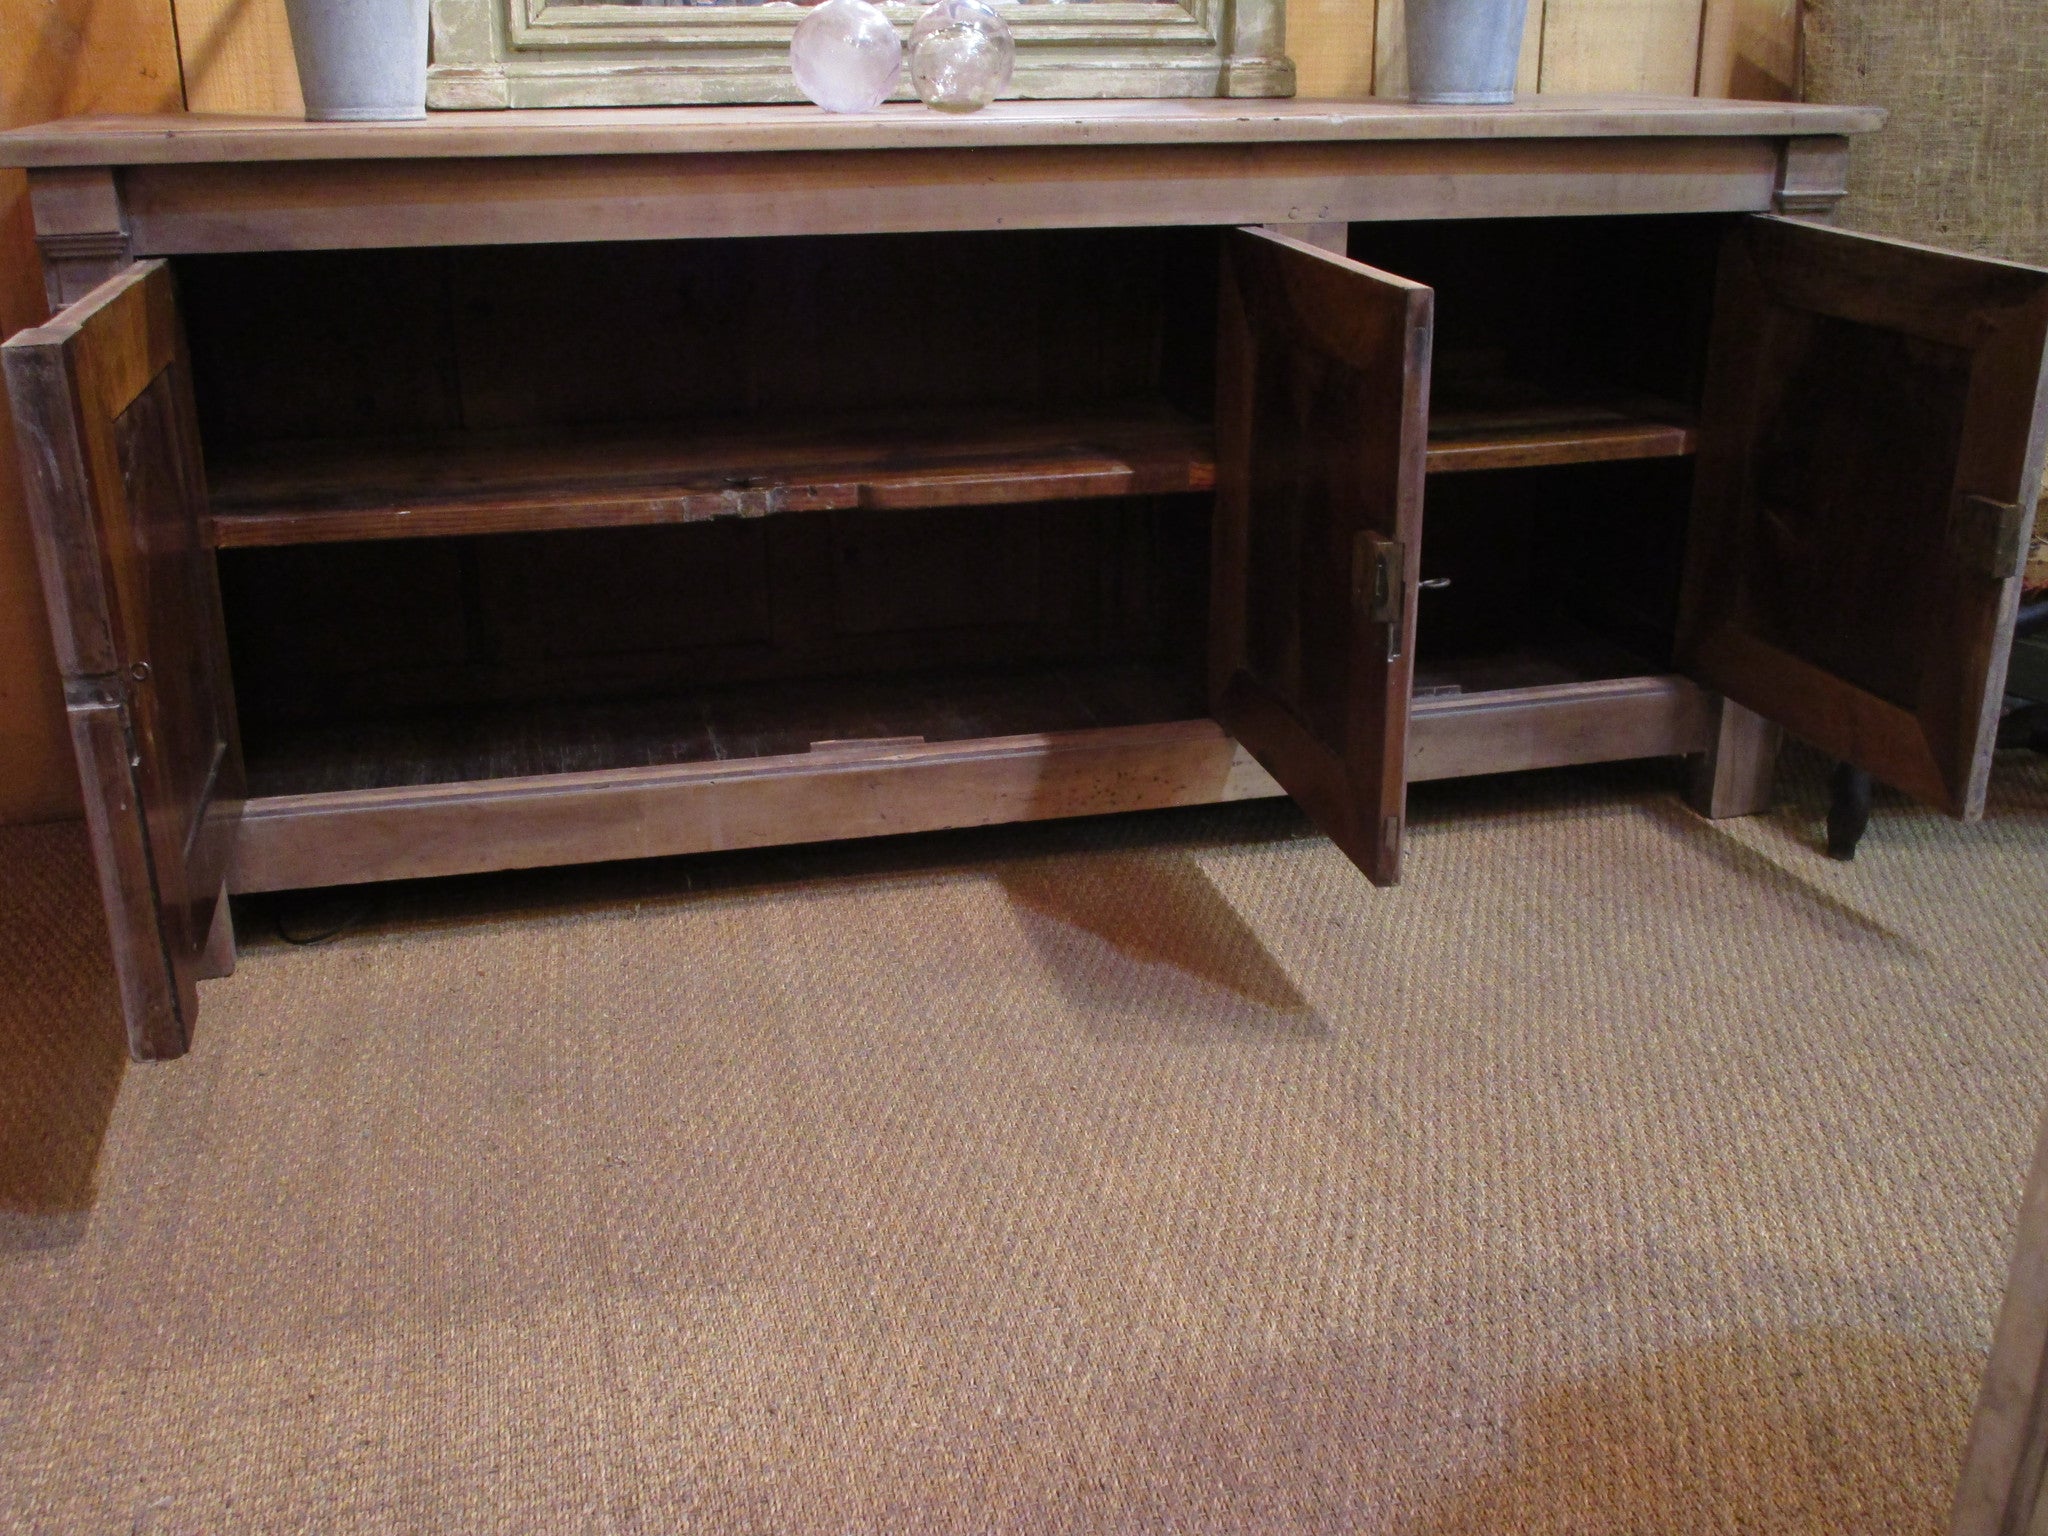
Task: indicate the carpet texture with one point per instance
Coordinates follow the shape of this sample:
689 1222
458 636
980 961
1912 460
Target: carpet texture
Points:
1618 1173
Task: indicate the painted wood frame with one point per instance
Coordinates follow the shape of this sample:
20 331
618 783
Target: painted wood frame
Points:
543 53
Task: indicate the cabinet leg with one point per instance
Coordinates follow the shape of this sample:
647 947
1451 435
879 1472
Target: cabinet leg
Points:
1733 777
218 958
1848 810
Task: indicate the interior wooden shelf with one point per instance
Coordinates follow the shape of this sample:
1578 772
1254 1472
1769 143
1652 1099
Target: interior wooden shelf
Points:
517 482
325 492
1508 425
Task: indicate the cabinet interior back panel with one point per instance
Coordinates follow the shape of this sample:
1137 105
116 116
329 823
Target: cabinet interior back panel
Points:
303 345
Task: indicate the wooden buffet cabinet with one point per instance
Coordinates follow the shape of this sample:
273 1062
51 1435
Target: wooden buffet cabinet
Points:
534 487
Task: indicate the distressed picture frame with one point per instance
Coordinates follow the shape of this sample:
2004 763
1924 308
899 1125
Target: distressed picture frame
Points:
545 53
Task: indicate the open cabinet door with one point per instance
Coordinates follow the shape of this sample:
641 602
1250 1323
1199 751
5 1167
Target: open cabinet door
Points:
1321 435
2003 1489
103 411
1870 452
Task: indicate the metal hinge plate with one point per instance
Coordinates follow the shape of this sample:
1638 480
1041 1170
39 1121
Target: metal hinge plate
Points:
1378 584
1989 538
108 690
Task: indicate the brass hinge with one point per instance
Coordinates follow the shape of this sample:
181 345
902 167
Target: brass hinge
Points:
1378 570
1989 538
116 689
111 690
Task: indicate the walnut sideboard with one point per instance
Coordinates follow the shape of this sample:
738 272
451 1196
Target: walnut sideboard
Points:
524 488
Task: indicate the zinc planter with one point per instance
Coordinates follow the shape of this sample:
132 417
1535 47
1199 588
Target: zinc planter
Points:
1464 52
361 60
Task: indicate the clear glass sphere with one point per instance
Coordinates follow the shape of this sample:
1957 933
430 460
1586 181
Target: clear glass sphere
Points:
961 56
845 56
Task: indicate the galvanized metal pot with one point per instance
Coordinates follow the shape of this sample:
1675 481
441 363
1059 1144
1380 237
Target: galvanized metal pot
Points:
361 60
1464 52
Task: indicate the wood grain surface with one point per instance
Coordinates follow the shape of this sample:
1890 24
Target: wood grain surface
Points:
205 139
1322 413
1871 408
57 57
517 482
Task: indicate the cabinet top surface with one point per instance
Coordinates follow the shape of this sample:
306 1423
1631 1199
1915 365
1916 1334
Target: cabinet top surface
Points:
190 138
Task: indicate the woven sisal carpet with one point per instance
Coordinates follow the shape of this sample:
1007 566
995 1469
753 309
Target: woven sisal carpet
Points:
1617 1174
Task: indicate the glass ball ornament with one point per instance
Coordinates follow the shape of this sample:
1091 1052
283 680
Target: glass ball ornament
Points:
845 56
961 56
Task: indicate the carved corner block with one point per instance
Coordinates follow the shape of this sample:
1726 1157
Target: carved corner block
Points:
81 229
1813 177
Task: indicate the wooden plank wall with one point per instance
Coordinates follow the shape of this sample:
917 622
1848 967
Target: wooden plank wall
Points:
237 53
66 56
56 57
1745 48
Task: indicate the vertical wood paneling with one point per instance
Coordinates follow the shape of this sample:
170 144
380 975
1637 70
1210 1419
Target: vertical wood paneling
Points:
238 57
1332 45
1621 45
56 57
238 52
1750 49
1745 48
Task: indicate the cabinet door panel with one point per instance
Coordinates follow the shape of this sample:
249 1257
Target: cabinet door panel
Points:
103 410
1870 452
1321 428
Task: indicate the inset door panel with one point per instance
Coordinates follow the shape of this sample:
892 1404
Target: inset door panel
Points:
1322 409
1871 445
103 408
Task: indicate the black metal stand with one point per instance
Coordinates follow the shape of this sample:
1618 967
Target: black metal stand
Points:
1848 811
2026 726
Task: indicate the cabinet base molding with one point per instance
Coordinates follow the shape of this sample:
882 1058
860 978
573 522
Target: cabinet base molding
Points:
348 837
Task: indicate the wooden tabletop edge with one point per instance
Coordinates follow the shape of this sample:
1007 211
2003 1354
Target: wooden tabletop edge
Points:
194 138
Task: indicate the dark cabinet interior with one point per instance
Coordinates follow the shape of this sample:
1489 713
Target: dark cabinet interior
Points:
734 497
448 659
502 511
1587 338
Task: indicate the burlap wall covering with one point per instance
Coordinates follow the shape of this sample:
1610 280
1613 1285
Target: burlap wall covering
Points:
1963 161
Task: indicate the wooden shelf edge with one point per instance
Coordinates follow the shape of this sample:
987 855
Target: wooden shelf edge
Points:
1586 445
188 138
336 496
1126 457
298 841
